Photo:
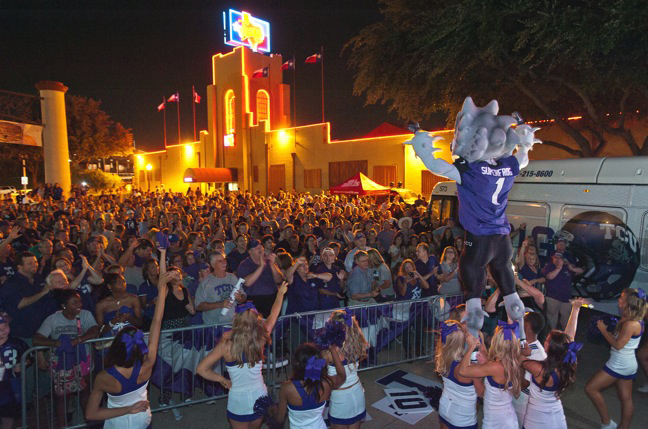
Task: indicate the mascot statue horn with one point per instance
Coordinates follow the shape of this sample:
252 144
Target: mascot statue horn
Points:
484 171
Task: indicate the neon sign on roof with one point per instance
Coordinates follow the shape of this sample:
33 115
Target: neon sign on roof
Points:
242 29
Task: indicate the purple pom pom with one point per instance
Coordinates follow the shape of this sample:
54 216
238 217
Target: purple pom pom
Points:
593 333
433 394
332 333
262 409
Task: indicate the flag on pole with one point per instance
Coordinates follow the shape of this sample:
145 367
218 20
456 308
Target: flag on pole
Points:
260 73
288 65
314 59
196 97
162 106
175 98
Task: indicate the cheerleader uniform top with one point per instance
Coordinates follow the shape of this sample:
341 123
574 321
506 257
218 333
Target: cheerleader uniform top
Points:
245 378
623 362
130 394
347 404
247 387
543 399
308 415
463 394
498 407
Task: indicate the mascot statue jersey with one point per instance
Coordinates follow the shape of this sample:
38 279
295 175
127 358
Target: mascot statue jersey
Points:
485 169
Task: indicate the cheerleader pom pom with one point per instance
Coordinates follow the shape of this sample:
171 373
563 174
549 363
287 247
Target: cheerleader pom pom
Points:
433 394
332 333
593 332
264 407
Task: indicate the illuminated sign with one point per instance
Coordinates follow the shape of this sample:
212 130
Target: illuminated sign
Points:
242 29
228 140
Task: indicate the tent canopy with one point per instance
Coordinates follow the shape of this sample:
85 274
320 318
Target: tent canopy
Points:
360 185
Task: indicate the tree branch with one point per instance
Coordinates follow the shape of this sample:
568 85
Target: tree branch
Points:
578 138
591 110
561 146
644 147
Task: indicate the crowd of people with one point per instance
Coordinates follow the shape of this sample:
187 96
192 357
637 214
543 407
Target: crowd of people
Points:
121 264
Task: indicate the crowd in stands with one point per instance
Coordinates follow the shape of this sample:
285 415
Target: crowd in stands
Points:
82 267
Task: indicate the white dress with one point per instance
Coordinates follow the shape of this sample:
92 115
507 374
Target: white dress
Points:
130 394
498 407
247 387
308 415
347 404
458 403
520 403
623 363
545 411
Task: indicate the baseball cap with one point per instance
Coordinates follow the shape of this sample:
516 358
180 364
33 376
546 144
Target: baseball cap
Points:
359 235
174 238
560 239
254 243
203 266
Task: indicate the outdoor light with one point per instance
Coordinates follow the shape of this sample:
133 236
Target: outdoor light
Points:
189 151
283 136
84 184
149 167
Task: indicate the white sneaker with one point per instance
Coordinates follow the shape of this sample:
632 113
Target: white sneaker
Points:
611 425
271 363
643 389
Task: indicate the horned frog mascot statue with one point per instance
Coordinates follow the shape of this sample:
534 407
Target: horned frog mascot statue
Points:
485 169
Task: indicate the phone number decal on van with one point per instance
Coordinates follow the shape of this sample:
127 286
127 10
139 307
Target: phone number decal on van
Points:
539 173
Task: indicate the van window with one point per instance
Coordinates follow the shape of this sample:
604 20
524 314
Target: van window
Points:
569 212
533 214
644 242
443 208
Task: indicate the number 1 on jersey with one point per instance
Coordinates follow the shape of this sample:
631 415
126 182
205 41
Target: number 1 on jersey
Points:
500 183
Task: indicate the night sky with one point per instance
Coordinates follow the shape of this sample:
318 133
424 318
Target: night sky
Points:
128 54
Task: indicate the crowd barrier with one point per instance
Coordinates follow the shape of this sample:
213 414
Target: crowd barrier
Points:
397 332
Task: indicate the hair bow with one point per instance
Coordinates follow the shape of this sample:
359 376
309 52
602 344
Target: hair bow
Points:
572 348
136 339
641 294
348 317
314 367
245 307
447 329
508 329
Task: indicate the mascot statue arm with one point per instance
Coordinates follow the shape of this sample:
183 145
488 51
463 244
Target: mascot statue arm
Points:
527 138
423 144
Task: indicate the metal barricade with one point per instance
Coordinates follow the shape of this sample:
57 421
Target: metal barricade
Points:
397 332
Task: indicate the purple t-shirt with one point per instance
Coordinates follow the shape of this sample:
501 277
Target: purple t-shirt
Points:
264 285
303 295
560 287
483 194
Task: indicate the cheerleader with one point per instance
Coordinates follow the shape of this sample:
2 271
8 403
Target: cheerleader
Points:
304 396
242 349
503 376
621 368
458 403
347 405
129 364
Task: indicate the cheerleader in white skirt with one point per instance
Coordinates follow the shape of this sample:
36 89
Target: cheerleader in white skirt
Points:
502 373
458 403
622 366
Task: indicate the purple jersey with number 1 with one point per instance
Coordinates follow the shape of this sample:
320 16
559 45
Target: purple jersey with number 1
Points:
483 195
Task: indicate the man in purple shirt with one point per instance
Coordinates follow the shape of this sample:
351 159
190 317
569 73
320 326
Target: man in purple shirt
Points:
558 274
261 275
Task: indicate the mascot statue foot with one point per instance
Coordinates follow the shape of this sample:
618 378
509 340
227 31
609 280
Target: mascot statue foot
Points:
474 317
515 310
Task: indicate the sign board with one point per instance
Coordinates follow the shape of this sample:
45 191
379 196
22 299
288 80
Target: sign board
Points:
24 180
242 29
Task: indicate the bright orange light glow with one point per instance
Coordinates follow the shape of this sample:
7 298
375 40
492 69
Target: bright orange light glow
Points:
189 151
149 167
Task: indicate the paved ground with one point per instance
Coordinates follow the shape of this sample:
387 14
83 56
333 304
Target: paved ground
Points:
578 409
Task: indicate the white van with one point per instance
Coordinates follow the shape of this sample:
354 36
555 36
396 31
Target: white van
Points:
600 205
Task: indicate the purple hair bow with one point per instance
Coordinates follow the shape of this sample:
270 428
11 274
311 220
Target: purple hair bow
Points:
314 367
641 294
447 329
348 317
508 329
572 348
136 339
245 307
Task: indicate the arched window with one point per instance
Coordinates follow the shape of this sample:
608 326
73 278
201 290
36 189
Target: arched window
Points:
262 106
229 112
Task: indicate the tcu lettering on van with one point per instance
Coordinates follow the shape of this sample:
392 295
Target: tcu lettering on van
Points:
623 234
506 171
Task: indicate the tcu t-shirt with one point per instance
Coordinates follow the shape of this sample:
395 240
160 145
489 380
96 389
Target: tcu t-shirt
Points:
483 194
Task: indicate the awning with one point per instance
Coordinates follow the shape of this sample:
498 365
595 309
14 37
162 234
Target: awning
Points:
359 185
211 175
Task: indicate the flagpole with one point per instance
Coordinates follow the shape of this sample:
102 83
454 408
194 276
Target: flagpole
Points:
294 92
178 107
322 62
193 105
164 111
